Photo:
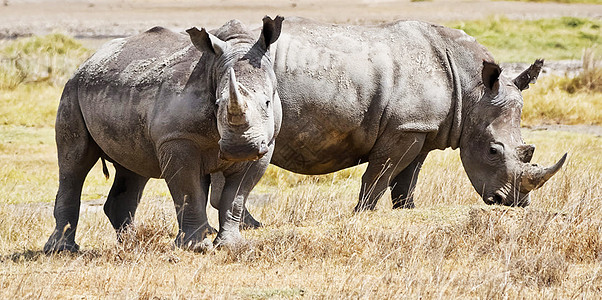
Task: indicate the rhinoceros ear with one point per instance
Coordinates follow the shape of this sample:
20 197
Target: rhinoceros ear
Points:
206 42
491 75
270 31
528 76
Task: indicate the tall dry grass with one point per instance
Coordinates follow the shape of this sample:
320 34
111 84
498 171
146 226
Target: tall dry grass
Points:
312 245
567 100
590 78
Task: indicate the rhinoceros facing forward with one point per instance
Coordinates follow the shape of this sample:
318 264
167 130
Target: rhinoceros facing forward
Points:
166 105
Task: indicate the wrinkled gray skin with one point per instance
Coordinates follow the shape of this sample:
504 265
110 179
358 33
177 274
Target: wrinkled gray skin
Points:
388 95
158 106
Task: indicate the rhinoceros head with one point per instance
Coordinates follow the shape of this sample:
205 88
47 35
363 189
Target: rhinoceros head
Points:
493 153
247 105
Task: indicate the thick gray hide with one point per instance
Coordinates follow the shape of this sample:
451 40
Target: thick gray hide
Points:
157 107
388 95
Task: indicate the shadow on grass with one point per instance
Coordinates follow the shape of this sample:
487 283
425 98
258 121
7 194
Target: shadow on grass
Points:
34 255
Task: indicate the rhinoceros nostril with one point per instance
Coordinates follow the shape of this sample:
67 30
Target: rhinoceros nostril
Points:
263 148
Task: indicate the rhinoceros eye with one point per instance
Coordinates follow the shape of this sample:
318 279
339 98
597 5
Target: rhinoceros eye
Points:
495 150
267 103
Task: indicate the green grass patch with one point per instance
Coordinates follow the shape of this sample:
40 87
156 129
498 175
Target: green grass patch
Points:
527 40
51 59
561 1
29 105
33 71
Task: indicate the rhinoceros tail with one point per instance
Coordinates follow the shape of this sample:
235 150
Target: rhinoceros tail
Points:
105 170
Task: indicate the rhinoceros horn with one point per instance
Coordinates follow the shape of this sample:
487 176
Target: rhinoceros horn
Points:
236 103
534 176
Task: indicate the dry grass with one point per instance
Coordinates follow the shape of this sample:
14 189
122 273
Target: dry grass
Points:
546 102
567 100
451 246
47 59
590 78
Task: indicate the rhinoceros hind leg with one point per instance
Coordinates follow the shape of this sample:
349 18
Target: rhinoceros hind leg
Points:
387 160
248 221
123 198
217 187
402 186
77 154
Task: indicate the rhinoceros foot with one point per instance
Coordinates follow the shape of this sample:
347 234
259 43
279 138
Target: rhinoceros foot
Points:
195 241
60 244
203 246
407 203
231 240
248 222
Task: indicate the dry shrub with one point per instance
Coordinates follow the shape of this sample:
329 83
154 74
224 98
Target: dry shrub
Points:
146 237
590 78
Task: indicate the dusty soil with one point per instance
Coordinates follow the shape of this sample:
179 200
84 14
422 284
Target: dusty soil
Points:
110 18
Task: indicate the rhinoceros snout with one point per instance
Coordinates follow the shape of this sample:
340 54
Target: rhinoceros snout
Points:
243 152
500 198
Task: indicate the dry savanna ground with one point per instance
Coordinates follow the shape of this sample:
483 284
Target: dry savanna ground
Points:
312 245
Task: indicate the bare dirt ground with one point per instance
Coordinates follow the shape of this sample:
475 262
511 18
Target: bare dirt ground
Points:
110 18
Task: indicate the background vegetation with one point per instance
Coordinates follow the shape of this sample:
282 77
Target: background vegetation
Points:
527 40
563 1
450 246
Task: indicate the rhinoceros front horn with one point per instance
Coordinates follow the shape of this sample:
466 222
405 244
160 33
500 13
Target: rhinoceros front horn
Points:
534 176
236 103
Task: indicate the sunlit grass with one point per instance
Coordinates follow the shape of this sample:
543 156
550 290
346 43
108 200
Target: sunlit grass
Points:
313 245
547 102
50 59
527 40
29 105
562 1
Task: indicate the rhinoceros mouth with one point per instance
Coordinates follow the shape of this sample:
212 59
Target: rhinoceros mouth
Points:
501 197
233 158
244 152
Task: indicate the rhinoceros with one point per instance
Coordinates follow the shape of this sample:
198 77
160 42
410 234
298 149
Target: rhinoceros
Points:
174 106
388 95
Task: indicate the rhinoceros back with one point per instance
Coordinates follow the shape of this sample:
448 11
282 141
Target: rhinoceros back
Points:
342 86
125 84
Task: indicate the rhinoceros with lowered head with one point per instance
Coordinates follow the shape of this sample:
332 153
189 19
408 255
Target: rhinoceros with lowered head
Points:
174 106
388 95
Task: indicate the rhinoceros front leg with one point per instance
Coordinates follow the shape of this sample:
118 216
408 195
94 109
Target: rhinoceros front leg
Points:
402 186
217 187
123 198
231 204
389 157
189 188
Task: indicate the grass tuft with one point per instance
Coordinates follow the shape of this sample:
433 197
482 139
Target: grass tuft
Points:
47 59
589 80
